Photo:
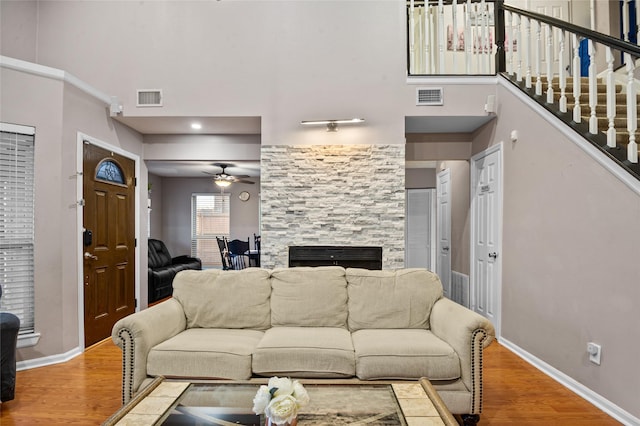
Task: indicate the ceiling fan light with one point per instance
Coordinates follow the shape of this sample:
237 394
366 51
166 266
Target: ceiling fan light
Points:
222 182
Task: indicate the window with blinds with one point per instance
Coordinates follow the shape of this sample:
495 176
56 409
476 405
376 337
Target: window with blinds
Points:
209 219
17 223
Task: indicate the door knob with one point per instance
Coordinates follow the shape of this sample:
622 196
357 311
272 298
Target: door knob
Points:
493 255
88 255
445 248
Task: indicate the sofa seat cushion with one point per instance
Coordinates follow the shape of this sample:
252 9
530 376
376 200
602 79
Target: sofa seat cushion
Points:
403 354
305 352
205 353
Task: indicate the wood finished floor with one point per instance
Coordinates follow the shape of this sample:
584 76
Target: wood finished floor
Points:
86 390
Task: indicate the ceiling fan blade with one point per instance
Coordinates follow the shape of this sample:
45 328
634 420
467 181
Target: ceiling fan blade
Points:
244 181
210 174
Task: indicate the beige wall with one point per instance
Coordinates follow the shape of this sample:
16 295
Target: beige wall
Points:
59 111
570 272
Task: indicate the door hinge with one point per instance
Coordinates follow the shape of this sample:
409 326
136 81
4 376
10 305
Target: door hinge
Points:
135 181
135 242
135 303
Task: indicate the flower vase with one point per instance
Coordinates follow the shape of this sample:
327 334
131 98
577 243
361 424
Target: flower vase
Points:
293 422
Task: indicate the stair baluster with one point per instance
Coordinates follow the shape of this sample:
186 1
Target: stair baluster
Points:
577 89
527 35
538 58
468 36
562 73
454 18
486 47
611 100
510 43
593 89
549 58
632 110
441 36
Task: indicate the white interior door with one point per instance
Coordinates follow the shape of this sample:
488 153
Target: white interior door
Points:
443 267
486 206
420 235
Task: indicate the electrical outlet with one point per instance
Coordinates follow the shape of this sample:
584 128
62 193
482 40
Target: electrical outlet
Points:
594 351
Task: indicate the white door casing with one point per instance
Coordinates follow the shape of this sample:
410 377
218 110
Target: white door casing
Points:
486 233
420 226
443 202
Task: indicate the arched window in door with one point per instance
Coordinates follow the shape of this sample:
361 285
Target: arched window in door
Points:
110 171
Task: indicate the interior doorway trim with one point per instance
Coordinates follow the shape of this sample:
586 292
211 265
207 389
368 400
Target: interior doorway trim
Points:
81 137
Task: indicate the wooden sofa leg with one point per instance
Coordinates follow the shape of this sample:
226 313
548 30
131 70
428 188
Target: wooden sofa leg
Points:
470 419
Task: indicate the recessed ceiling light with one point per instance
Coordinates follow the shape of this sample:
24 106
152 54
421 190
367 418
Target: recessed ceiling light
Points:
196 126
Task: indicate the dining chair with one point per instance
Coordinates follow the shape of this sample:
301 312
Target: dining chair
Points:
238 253
224 252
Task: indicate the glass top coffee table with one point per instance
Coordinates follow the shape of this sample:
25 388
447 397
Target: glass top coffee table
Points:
166 402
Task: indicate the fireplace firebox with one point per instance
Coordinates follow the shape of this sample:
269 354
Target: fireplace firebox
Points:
345 256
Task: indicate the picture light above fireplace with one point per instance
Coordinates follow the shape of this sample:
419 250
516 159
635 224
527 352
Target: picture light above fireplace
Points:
345 256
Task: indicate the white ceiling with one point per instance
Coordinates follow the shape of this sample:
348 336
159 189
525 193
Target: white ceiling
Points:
182 125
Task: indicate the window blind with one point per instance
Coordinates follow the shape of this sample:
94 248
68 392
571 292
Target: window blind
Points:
209 219
17 223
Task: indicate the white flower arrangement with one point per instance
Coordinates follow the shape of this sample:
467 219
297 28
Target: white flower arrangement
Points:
280 400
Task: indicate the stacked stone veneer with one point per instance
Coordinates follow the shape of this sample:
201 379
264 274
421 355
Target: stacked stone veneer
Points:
332 195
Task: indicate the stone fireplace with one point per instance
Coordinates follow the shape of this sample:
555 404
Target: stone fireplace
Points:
332 195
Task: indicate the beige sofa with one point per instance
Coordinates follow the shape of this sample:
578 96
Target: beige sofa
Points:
324 322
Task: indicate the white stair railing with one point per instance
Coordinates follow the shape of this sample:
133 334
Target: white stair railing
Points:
536 48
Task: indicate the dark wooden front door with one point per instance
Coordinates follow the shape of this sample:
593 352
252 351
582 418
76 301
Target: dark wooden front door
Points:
109 241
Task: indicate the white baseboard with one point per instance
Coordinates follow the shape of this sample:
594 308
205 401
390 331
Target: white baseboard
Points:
605 405
48 360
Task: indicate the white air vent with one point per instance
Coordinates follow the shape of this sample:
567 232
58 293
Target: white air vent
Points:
149 98
429 96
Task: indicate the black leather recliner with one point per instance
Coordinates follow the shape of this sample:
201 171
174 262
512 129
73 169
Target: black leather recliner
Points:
163 267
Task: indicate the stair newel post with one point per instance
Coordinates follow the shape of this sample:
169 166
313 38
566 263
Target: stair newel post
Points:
593 89
577 89
441 37
549 55
527 34
562 73
538 58
611 100
632 110
511 43
454 17
498 12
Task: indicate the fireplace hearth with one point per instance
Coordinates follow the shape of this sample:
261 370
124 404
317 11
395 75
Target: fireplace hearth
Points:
345 256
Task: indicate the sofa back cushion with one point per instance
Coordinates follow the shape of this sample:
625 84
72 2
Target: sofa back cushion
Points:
225 299
309 297
391 299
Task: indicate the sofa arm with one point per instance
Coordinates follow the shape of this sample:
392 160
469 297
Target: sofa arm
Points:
468 333
137 333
